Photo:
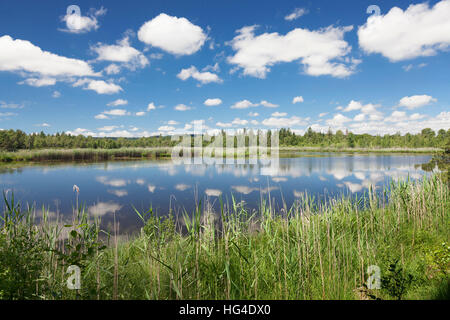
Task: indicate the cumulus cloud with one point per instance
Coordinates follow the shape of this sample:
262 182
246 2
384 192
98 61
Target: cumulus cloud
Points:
322 52
102 208
116 112
203 77
244 104
338 120
297 13
120 52
224 124
112 69
418 31
56 94
152 106
267 104
118 102
81 24
101 116
23 56
280 122
399 121
416 101
39 82
107 128
172 34
99 86
279 114
166 128
298 99
212 102
182 107
213 192
369 110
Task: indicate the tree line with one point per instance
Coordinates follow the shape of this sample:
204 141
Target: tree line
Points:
13 140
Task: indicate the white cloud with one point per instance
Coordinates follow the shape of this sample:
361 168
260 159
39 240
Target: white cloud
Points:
99 86
253 114
82 24
152 106
224 125
166 128
21 55
120 52
81 131
338 120
297 13
112 69
174 35
239 122
101 116
416 101
416 32
203 77
398 116
267 104
140 113
39 82
316 50
182 107
279 114
399 121
279 122
56 94
244 104
116 112
369 110
213 192
212 102
107 128
323 114
118 102
102 208
298 99
182 187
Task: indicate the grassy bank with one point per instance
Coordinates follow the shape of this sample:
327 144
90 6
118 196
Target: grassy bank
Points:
84 154
43 155
361 150
307 251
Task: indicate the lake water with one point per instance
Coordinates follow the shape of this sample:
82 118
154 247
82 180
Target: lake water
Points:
115 187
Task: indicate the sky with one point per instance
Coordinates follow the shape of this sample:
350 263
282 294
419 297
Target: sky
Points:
141 68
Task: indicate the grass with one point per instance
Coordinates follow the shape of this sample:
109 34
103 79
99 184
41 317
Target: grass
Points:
84 154
307 251
363 150
60 155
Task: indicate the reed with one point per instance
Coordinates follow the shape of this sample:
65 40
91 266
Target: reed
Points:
307 251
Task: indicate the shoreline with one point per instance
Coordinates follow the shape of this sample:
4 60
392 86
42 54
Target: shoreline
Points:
128 154
313 253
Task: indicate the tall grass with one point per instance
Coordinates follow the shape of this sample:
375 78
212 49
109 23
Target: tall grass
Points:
307 251
87 154
84 154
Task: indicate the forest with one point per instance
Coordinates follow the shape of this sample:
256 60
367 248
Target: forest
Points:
14 140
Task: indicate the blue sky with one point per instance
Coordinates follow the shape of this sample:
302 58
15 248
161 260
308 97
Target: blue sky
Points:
141 68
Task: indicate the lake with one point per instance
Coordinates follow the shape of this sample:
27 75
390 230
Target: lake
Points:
115 187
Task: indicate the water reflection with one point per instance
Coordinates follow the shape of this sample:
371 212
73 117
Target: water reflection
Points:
114 188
